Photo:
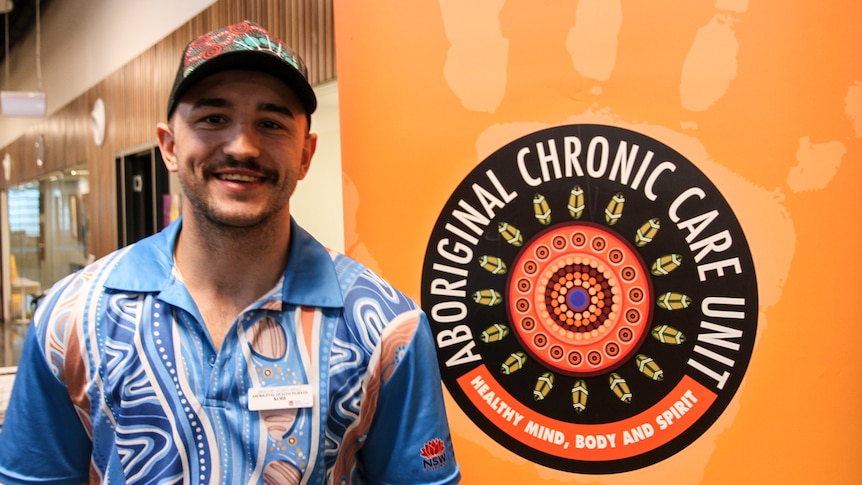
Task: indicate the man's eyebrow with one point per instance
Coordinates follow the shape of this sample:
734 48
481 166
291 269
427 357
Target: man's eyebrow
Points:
210 103
224 103
276 108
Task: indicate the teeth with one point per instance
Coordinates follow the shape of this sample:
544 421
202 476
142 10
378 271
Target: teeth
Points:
237 177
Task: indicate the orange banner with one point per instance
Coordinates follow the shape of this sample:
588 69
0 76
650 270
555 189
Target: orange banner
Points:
763 98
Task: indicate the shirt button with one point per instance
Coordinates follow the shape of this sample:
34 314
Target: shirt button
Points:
211 360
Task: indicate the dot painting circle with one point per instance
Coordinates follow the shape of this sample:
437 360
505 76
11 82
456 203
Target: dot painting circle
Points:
572 300
592 298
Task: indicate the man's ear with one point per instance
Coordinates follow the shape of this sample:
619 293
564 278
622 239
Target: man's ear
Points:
308 150
167 145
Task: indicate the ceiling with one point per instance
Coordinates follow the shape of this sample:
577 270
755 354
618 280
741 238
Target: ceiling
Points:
22 20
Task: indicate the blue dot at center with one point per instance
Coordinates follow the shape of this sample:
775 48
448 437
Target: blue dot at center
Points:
578 299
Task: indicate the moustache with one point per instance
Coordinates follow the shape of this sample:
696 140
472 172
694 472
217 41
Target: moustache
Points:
232 163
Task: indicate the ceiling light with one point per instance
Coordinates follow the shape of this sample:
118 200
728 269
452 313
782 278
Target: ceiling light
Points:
23 103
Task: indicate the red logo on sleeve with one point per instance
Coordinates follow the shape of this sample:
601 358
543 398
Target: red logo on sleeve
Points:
433 454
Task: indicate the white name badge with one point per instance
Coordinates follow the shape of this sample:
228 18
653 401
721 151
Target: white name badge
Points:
280 397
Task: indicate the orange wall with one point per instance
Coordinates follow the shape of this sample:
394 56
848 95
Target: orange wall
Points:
763 97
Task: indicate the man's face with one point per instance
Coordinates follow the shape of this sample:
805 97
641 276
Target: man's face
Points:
239 143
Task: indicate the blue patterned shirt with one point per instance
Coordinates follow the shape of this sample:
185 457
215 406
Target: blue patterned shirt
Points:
119 382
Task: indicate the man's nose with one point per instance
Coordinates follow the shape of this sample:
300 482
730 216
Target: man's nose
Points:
243 143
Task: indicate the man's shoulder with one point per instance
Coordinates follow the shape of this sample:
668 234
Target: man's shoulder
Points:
354 275
86 283
360 284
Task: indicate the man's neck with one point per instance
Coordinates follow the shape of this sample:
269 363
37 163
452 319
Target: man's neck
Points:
225 271
230 262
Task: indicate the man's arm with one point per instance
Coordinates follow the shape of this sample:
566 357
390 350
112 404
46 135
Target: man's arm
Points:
409 441
42 439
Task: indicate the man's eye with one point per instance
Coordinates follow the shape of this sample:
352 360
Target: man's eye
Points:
271 125
210 119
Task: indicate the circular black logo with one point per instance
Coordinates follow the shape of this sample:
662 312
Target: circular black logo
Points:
593 299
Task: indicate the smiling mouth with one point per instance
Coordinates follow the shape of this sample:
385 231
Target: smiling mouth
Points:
235 177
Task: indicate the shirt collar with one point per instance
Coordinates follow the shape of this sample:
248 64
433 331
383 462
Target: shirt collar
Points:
309 279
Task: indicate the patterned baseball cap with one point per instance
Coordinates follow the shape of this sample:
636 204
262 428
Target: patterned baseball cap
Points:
244 46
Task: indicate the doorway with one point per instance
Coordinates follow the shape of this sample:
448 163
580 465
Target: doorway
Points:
143 195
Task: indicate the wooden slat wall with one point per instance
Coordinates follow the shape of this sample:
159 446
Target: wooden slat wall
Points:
135 97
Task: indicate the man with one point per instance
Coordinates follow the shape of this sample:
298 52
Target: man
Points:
231 347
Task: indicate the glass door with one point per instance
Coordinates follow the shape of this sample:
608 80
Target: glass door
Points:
48 234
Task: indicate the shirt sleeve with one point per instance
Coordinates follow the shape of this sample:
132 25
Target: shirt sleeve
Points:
409 441
42 439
